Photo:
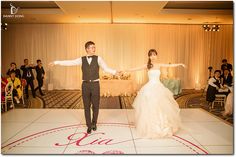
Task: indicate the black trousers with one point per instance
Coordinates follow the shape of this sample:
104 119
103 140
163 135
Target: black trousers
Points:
40 85
31 83
91 96
14 93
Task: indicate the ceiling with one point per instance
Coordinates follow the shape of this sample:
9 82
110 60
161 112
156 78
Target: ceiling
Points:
167 12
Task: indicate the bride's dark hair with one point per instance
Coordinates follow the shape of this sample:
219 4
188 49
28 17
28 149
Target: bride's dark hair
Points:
150 52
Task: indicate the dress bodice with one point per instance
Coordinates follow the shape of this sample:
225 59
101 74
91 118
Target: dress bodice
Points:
154 75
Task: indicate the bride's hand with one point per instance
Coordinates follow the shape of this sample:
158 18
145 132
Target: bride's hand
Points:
51 64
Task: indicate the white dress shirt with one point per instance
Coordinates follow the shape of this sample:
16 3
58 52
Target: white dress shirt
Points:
211 82
78 61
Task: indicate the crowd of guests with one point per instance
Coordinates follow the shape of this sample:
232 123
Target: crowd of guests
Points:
221 83
24 79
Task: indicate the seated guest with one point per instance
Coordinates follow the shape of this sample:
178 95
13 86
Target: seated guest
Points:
14 68
226 65
226 78
229 103
213 86
17 92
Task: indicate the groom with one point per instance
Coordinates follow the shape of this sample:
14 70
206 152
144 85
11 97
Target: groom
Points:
90 77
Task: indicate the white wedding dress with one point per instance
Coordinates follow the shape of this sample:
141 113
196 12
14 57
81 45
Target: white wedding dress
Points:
157 114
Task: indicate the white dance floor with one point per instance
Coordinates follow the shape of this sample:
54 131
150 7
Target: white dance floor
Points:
63 131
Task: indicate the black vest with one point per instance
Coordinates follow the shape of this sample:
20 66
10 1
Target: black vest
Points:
90 71
217 82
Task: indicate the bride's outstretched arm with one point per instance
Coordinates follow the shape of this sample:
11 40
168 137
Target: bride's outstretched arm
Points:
172 65
136 69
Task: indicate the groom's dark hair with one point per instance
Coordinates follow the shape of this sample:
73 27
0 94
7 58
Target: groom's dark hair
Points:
88 44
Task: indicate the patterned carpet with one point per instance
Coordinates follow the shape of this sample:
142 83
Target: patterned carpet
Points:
72 99
62 99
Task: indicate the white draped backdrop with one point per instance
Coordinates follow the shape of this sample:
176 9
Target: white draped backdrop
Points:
122 46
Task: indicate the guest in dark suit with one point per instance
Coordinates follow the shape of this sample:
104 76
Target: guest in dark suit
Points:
40 76
226 65
226 78
28 76
14 69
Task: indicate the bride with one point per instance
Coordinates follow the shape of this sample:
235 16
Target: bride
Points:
156 111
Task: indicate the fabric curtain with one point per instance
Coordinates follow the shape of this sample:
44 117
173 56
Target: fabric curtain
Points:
122 46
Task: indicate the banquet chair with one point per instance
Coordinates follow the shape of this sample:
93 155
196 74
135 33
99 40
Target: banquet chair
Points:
8 95
220 99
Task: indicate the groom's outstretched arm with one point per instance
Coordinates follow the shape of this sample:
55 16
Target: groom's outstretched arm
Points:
77 61
104 66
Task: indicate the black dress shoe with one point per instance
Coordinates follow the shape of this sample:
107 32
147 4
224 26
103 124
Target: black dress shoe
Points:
94 127
89 130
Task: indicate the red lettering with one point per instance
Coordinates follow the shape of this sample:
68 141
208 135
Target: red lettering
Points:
84 139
